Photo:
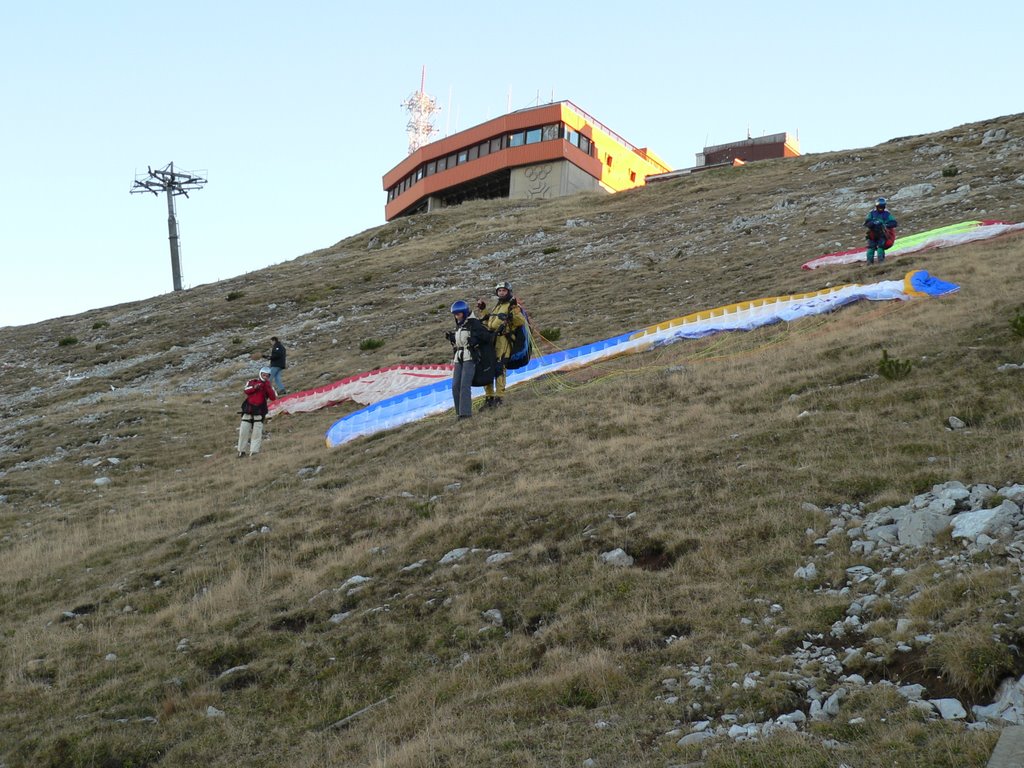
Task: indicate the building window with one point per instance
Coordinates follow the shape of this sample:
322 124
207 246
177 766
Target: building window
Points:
441 164
584 145
533 135
496 144
463 157
419 173
474 153
517 139
431 168
452 161
485 148
551 132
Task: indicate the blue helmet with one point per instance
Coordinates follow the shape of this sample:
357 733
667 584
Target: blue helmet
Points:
460 306
880 202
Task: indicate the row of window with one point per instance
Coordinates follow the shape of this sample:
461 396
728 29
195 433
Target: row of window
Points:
519 138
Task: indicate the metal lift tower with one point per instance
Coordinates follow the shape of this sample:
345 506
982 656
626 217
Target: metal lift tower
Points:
172 182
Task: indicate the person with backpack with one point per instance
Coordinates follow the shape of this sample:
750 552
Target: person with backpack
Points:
473 351
504 321
258 393
881 231
278 363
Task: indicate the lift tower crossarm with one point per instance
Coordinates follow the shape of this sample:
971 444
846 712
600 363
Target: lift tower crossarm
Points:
172 183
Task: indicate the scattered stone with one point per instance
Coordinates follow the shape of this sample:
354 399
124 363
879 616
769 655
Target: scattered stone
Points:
454 556
617 557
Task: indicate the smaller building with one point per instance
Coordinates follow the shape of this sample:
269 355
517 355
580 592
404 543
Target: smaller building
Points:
749 150
738 153
547 151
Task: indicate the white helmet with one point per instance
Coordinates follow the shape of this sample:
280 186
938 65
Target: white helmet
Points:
264 373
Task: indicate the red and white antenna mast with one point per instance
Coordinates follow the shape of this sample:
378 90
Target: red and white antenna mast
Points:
421 109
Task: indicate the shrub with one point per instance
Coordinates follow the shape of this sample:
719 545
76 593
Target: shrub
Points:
551 249
1017 324
232 295
368 344
893 368
236 339
971 660
100 324
551 334
950 170
67 341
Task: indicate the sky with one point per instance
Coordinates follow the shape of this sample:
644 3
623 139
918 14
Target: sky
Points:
292 112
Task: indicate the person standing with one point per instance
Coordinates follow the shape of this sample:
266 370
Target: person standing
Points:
467 340
278 363
878 223
258 393
502 321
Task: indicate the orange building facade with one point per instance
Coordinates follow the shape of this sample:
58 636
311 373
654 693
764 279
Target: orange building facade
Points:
542 152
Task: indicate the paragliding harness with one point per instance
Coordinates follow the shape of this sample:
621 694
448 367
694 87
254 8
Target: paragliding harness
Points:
255 402
486 364
522 343
877 231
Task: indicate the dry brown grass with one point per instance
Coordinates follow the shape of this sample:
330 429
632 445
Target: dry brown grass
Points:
694 458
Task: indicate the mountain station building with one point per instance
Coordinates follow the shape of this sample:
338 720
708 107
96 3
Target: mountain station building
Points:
540 152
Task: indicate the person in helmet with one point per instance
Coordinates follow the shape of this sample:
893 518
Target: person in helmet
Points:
472 347
502 320
878 221
258 392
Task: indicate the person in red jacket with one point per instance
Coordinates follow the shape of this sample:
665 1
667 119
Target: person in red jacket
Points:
258 392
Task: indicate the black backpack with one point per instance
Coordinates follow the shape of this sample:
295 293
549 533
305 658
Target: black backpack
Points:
486 365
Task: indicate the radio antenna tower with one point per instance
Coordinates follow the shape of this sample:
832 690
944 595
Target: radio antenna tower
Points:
172 182
421 109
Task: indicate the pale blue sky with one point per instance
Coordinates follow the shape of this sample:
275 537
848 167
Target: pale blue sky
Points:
293 110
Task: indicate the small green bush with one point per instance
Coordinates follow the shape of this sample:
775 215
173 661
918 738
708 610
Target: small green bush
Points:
1017 324
67 341
100 324
368 344
551 249
893 368
236 339
551 334
950 170
232 295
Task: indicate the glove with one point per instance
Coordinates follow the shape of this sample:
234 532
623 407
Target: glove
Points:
481 305
450 336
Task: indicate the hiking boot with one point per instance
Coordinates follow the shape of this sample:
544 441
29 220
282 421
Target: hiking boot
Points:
488 402
496 403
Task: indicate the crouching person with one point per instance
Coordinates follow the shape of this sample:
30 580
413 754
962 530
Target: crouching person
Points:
258 392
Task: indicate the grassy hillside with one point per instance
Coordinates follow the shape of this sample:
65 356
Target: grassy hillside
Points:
202 610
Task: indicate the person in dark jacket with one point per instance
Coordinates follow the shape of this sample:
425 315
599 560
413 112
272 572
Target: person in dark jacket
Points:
277 364
877 222
467 340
